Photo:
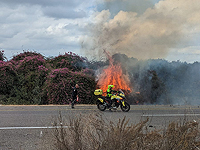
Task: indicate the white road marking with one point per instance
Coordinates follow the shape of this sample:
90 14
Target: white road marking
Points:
170 115
15 128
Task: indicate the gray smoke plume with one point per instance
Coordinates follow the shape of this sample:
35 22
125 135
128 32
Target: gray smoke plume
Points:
150 34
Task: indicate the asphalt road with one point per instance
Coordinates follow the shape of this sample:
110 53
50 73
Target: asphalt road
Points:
29 127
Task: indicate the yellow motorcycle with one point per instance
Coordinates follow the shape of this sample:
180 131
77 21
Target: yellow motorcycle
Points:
117 99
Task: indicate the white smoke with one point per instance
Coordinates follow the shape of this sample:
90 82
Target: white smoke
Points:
169 24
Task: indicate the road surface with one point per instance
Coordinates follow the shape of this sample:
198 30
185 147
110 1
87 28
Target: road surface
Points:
27 127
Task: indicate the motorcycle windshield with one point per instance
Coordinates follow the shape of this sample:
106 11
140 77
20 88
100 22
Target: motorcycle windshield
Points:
120 91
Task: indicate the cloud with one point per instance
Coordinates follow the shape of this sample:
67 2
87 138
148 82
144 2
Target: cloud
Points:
42 2
189 54
167 25
62 12
114 6
50 27
140 29
52 8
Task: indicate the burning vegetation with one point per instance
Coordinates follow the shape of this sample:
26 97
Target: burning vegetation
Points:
113 75
28 78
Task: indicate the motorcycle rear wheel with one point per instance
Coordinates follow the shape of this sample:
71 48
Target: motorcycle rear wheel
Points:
101 106
125 108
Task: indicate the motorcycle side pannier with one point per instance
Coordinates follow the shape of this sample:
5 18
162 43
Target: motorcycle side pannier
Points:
98 92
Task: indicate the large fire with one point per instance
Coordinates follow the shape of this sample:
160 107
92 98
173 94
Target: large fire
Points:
113 75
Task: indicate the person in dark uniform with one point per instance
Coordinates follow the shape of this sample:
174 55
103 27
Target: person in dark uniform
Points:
74 95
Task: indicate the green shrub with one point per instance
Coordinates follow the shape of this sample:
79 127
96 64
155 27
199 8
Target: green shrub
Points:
29 78
8 77
59 84
69 60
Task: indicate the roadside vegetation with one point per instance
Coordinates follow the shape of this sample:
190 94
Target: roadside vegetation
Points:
31 78
95 133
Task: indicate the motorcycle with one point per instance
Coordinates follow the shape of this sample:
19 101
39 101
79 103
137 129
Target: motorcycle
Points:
117 99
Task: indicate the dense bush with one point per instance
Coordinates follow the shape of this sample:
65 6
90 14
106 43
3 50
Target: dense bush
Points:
18 58
59 84
8 77
22 79
30 78
69 60
30 63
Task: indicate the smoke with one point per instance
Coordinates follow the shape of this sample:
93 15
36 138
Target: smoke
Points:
150 34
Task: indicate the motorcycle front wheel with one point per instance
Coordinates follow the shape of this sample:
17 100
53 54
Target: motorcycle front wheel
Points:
125 108
101 106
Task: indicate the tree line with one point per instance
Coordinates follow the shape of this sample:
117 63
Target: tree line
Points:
31 78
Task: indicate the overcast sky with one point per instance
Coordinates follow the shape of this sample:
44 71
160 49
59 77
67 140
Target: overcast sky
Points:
168 29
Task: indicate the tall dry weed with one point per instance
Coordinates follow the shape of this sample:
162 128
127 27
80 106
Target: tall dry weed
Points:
93 132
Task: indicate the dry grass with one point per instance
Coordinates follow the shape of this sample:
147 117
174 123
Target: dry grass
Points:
92 132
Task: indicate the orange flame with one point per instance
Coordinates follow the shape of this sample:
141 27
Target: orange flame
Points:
113 75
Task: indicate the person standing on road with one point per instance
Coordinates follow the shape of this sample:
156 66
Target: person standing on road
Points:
74 95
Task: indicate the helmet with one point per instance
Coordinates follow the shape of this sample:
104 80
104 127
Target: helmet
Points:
110 86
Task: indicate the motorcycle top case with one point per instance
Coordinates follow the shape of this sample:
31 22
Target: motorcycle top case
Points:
98 92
